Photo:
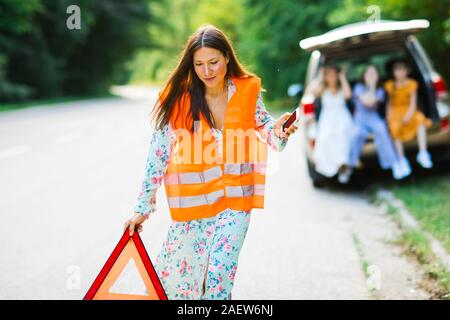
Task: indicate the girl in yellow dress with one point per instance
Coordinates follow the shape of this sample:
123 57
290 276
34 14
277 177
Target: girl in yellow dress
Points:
404 119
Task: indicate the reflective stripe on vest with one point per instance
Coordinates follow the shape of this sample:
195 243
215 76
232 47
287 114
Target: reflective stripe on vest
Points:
193 201
213 197
194 177
245 191
244 168
214 173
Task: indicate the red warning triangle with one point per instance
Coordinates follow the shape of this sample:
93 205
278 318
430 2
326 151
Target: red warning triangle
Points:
129 247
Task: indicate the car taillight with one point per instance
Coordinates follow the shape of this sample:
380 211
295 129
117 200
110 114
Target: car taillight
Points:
439 87
308 104
308 108
444 124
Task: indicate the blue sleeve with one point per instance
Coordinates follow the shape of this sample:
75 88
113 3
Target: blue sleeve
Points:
357 91
380 94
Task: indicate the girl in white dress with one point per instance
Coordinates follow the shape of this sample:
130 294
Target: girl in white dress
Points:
331 153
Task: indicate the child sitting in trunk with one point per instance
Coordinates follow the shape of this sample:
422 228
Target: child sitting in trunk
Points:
404 119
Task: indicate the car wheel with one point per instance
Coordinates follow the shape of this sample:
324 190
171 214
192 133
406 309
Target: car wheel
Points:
317 179
318 184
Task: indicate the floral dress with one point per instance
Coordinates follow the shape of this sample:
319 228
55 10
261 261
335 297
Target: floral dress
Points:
198 259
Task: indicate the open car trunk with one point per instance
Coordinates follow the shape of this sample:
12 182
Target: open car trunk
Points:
359 43
342 40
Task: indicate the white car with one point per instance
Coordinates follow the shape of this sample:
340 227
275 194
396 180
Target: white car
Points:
378 43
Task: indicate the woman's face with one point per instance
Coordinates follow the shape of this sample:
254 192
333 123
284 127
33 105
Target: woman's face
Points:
210 65
331 77
371 75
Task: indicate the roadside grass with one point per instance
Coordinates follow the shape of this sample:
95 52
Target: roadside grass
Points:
417 246
428 200
364 265
437 278
360 251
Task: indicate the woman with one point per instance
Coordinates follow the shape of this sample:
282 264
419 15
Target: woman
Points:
210 192
404 119
334 127
367 97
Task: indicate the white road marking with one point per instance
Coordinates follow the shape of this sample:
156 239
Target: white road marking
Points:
14 151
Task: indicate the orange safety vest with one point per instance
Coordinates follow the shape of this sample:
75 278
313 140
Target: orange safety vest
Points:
199 183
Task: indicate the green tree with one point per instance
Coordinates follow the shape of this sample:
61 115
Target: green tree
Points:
15 19
270 35
169 33
44 55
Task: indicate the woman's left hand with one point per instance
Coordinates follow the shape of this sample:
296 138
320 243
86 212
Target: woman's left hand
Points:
278 125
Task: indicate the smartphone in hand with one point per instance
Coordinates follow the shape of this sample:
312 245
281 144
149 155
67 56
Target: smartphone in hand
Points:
292 119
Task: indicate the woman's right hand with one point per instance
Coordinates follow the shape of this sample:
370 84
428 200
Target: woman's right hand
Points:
134 223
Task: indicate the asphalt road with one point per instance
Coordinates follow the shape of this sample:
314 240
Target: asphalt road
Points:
71 173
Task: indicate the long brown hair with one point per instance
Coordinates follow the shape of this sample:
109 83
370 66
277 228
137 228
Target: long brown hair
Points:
183 78
337 69
363 81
